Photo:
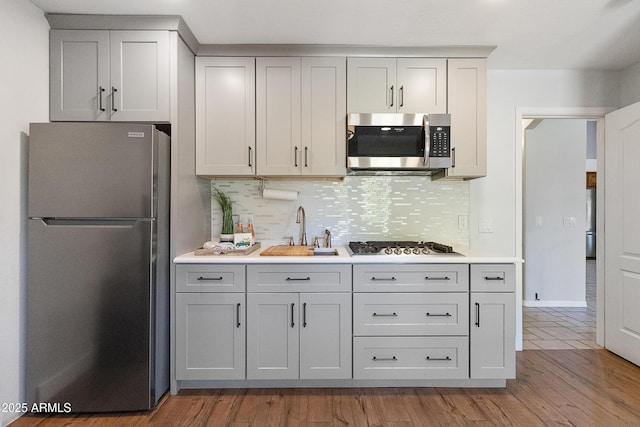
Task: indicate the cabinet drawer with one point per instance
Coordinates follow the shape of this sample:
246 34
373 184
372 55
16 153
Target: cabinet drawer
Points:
493 278
411 278
210 278
410 358
299 278
411 314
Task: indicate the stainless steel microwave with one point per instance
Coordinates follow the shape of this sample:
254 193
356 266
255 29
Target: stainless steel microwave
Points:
398 142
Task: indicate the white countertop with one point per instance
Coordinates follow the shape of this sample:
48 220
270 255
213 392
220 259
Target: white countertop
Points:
344 257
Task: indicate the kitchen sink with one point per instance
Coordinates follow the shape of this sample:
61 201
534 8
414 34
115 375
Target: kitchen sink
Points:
325 252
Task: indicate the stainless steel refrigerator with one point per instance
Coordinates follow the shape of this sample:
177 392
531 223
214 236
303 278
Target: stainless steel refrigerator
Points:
97 323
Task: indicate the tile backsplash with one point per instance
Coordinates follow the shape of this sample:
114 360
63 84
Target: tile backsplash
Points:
357 208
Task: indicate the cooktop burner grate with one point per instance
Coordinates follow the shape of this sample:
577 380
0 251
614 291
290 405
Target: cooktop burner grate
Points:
399 248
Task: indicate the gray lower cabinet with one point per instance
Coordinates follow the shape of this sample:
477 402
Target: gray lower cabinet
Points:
299 335
411 321
210 336
299 318
493 330
210 322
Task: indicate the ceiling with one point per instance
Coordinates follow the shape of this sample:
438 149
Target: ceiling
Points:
533 34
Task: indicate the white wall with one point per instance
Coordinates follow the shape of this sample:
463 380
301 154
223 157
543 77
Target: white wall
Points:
493 198
554 192
24 91
630 85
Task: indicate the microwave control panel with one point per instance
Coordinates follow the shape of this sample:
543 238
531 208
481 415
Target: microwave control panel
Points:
439 145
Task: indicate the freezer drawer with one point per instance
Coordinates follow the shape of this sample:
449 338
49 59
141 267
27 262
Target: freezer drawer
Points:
90 322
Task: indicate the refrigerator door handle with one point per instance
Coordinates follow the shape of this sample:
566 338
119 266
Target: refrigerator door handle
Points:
89 222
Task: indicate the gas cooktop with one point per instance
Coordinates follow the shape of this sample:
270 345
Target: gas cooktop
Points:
399 248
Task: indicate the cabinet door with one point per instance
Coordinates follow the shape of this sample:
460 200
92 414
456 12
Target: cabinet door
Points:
493 333
422 85
272 338
79 75
139 76
225 116
467 104
371 85
210 336
278 118
324 116
325 336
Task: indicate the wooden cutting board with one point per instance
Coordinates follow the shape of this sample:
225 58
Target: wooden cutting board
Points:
283 250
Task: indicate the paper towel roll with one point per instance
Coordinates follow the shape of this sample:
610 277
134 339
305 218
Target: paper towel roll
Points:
279 194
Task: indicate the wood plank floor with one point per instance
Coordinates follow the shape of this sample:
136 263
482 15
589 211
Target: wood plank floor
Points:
553 387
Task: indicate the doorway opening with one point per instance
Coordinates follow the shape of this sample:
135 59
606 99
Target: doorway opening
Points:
559 298
524 117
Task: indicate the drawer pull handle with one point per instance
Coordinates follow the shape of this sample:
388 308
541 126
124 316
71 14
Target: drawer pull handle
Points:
438 358
384 359
439 315
477 315
388 279
437 278
385 315
493 278
202 278
291 279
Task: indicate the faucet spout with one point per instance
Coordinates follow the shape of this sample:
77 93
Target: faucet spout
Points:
301 218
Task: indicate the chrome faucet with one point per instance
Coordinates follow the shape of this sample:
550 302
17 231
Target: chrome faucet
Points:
301 217
327 239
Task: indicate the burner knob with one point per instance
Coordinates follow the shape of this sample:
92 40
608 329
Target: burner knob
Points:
407 251
397 251
416 251
388 251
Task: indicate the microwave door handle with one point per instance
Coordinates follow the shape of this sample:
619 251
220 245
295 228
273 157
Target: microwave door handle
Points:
427 143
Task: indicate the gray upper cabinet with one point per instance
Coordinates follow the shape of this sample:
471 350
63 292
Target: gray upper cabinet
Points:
403 85
467 104
225 116
301 116
103 75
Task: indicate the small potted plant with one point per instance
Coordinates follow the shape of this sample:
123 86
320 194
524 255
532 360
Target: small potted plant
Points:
226 233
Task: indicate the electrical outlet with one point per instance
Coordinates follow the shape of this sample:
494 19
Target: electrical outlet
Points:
538 221
463 222
486 226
